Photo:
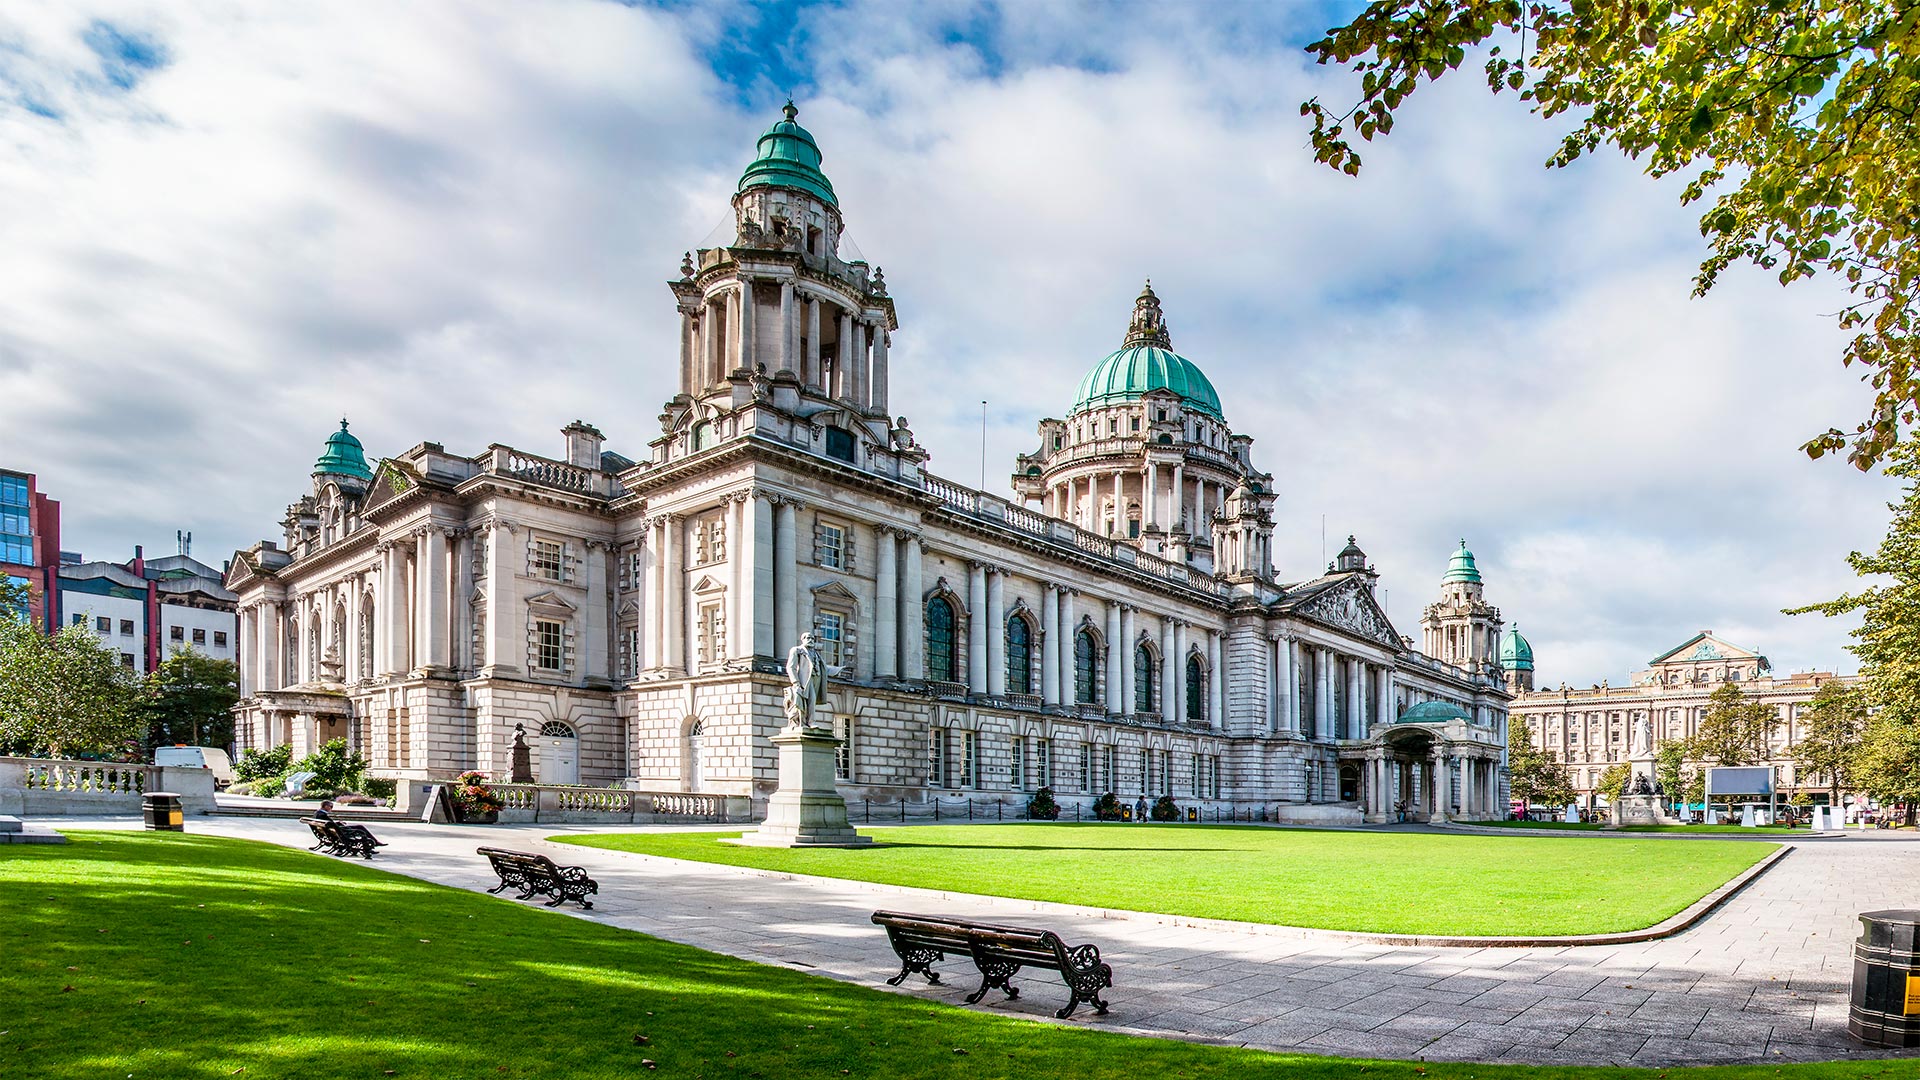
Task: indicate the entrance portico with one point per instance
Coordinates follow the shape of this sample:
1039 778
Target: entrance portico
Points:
1432 764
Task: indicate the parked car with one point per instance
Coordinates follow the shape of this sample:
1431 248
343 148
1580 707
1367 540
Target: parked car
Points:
198 757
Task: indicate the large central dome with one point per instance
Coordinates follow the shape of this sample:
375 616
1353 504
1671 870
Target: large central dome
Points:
1144 363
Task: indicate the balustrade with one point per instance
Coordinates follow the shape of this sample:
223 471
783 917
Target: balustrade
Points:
98 778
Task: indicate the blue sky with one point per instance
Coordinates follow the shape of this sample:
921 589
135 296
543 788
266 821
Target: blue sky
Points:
450 221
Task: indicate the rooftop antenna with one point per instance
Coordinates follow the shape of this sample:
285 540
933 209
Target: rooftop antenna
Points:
184 540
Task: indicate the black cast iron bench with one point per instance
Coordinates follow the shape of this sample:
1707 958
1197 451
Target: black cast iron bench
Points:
998 951
536 875
342 838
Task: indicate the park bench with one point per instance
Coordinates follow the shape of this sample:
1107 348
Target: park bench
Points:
998 951
536 875
342 838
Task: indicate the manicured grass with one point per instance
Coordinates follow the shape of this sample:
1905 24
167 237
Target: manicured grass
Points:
149 955
1735 830
1405 883
1561 826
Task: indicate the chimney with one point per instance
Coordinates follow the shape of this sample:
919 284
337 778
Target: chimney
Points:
583 444
139 563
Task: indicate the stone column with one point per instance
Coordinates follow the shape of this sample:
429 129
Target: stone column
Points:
1177 681
739 619
996 631
1169 705
686 352
749 352
810 363
886 604
1069 691
1115 681
1467 806
757 534
857 392
787 343
506 633
594 630
1216 683
1388 714
844 366
710 344
976 628
878 391
433 598
1050 645
247 651
912 613
1441 785
350 663
1128 691
1150 496
674 652
1323 693
786 578
1356 699
1179 496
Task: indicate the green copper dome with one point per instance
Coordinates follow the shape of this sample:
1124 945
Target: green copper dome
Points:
1515 653
789 158
343 456
1146 361
1434 712
1461 568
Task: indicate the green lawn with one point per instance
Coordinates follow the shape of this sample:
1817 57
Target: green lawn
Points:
1730 830
165 956
1406 883
1551 825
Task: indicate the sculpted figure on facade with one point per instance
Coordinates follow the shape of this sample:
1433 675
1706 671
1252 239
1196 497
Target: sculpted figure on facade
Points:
807 672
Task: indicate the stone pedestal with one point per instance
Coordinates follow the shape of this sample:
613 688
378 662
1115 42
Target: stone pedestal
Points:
806 810
1641 810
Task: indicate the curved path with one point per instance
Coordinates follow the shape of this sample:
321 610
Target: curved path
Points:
1763 978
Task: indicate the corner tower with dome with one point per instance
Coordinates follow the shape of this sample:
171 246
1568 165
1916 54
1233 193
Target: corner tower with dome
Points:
1117 622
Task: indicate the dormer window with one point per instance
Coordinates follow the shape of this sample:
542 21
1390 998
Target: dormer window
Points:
840 444
1160 416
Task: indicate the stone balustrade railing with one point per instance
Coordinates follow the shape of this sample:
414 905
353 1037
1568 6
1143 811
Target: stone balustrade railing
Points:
55 786
556 803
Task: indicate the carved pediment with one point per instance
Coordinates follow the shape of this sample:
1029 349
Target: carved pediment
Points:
1351 607
836 592
390 481
550 600
709 585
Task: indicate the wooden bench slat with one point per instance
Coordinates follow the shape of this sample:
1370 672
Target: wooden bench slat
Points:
998 952
537 875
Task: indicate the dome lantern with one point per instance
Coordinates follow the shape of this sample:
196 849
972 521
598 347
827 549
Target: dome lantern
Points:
789 158
1146 362
343 456
1461 566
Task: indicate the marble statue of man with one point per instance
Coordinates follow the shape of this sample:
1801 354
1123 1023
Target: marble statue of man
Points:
806 683
1643 737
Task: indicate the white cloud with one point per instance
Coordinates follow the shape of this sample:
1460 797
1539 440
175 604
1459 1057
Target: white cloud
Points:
451 221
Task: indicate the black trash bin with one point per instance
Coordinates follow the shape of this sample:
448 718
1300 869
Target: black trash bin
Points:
1885 1009
162 811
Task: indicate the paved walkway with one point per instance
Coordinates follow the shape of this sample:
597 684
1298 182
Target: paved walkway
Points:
1764 978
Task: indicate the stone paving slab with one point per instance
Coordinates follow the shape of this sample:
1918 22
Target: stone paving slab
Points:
1723 990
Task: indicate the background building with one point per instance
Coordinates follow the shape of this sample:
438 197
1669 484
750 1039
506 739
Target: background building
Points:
146 609
30 545
1125 632
1591 729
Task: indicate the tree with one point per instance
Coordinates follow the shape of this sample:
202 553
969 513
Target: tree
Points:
1887 643
1613 782
1805 106
65 694
1735 730
1832 725
1681 784
1535 774
188 698
16 598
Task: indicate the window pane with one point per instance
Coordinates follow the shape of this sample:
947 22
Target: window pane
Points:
940 656
1083 667
1019 656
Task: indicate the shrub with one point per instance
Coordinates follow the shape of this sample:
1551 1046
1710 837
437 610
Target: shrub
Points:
332 767
261 764
270 787
1042 807
1165 809
351 799
244 787
1107 807
383 788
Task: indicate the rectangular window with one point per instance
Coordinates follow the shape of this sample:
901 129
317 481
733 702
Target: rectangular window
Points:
79 620
549 645
549 560
1086 767
843 752
219 639
126 627
1043 763
199 636
937 757
1199 777
126 660
1107 758
832 547
1166 772
831 628
1017 763
713 634
176 633
1146 771
969 751
104 625
629 651
1214 775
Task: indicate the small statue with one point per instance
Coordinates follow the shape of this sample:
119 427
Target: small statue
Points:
879 286
522 758
686 266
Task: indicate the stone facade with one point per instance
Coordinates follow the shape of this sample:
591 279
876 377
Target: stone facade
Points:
1117 627
1592 729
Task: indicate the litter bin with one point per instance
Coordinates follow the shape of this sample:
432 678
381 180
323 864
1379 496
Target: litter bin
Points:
162 811
1885 1009
1193 813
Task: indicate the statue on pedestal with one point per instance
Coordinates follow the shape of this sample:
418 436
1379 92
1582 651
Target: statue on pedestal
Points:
806 697
522 758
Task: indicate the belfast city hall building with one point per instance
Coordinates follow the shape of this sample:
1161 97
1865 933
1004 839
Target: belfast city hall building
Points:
1116 625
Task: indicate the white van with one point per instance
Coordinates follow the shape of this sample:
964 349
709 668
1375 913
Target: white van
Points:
197 757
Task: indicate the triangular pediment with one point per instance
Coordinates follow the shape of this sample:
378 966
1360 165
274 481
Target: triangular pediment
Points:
709 584
550 600
833 590
1705 647
1350 606
390 481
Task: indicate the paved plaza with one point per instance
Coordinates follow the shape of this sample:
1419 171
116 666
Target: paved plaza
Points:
1764 978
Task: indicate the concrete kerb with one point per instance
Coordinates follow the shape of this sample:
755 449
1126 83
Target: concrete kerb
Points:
1667 927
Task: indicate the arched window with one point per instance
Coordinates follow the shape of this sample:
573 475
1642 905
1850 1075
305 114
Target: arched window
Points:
940 652
1143 695
1084 651
702 435
1019 656
1196 710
